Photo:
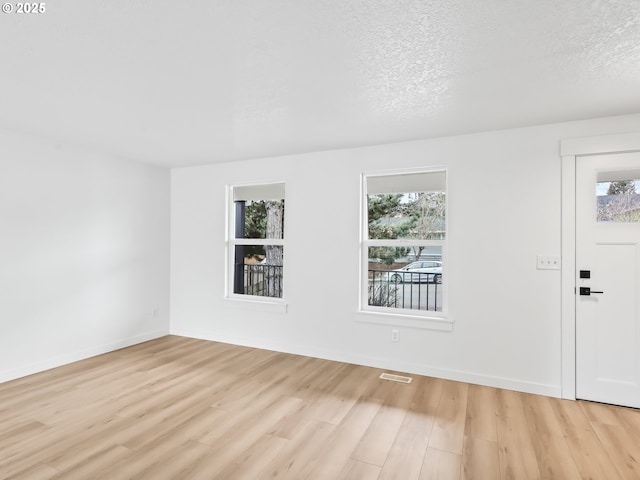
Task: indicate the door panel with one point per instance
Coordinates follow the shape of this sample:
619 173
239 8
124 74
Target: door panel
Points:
607 245
615 334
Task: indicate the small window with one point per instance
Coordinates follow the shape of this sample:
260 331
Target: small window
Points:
404 233
618 197
257 240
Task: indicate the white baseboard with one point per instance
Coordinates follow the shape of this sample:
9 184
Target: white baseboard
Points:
467 377
40 366
384 363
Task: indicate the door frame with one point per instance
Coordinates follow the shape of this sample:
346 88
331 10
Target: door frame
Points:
571 150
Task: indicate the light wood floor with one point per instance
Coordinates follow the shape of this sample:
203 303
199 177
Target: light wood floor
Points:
178 408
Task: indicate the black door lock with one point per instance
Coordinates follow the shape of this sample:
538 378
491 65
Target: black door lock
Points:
587 291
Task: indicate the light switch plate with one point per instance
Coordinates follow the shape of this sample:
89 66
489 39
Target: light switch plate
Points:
549 262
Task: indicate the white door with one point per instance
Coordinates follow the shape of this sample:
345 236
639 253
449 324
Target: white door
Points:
608 279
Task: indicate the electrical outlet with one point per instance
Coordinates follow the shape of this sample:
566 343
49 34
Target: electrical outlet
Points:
154 312
395 335
548 262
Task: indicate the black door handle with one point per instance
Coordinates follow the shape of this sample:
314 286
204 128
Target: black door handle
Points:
588 291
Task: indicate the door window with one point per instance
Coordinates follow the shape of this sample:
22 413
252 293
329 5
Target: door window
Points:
618 197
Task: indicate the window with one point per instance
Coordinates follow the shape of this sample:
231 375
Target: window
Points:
256 243
617 197
404 239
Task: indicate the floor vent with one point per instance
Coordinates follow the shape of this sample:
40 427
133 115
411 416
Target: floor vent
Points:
395 378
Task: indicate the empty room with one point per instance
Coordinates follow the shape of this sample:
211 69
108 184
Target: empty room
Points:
320 240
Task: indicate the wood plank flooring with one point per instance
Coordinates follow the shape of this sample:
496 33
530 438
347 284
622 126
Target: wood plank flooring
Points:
179 408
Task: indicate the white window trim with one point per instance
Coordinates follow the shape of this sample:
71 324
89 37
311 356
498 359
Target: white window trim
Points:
424 319
251 302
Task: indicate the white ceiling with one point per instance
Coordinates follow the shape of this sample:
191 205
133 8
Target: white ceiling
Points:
186 83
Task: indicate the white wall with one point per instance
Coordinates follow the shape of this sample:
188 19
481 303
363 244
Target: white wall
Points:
504 209
84 254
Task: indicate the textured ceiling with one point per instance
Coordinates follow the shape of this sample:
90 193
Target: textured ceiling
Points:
185 83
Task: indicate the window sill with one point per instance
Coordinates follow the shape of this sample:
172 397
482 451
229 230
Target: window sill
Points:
442 324
257 305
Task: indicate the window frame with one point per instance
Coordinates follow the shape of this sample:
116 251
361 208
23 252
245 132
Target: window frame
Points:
278 304
438 320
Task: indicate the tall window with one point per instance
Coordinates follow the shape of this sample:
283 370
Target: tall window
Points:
256 252
404 235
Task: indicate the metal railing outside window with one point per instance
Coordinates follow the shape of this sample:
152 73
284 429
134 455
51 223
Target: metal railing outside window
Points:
409 290
262 280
